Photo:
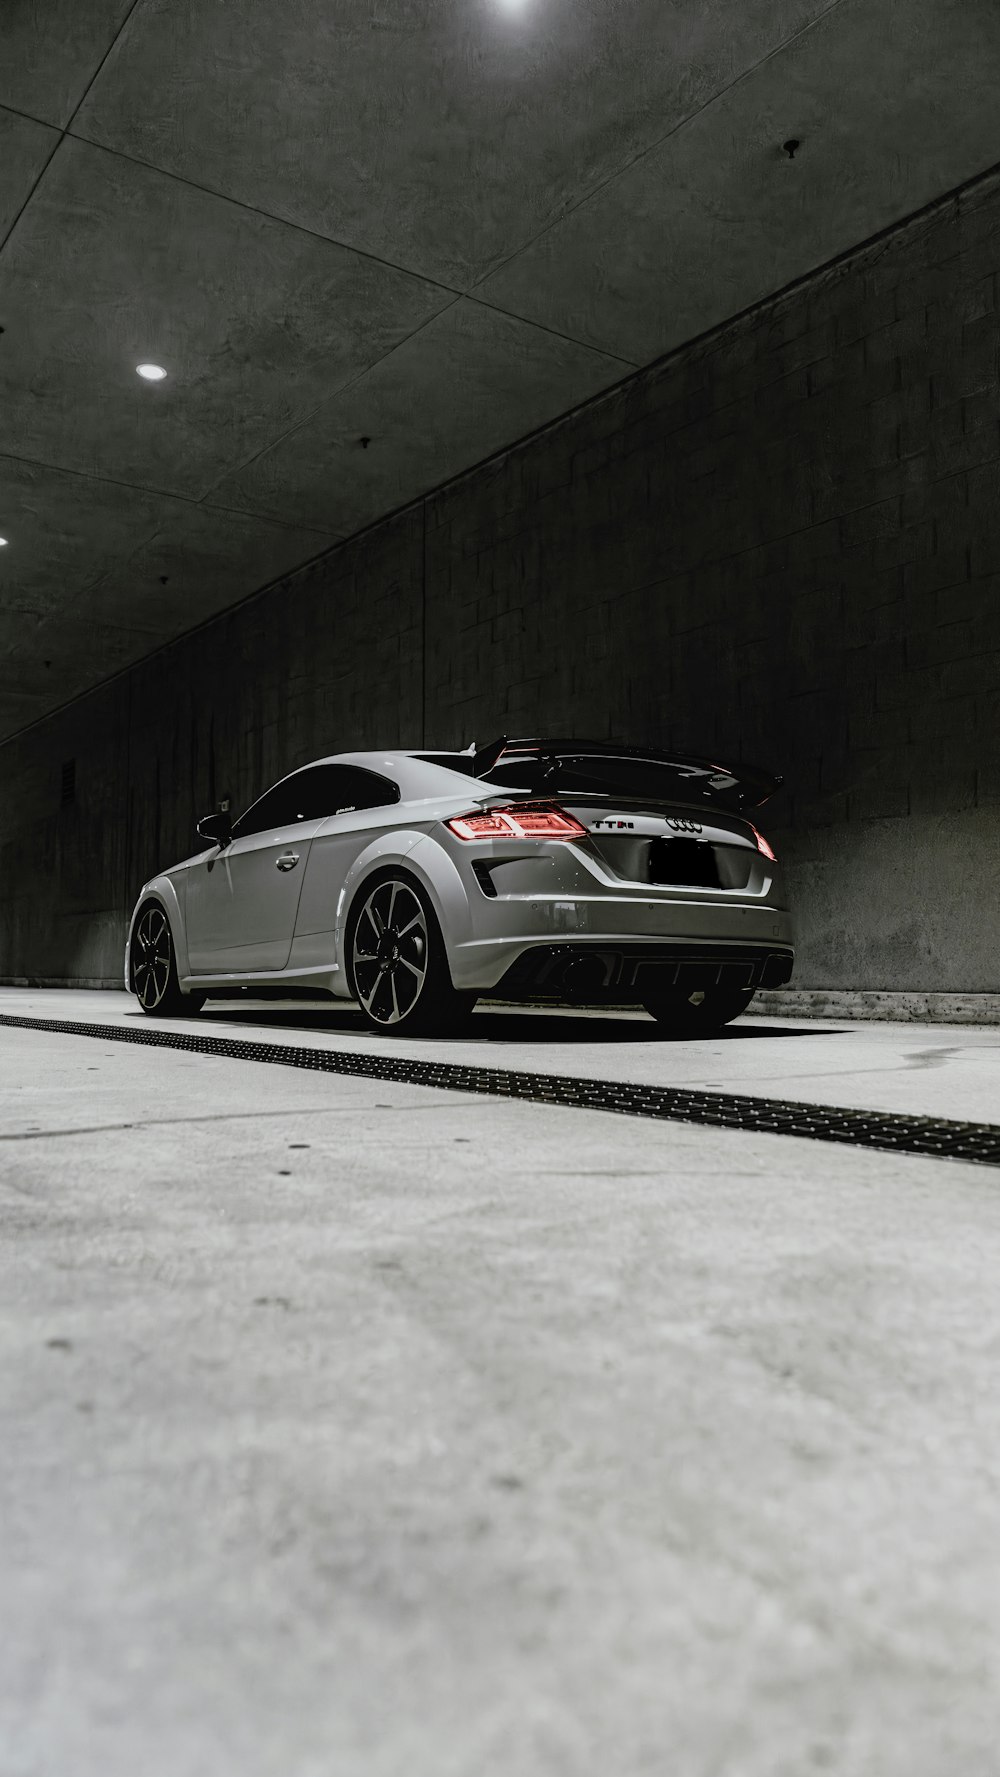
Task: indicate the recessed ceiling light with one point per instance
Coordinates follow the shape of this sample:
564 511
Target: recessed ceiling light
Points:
153 373
3 542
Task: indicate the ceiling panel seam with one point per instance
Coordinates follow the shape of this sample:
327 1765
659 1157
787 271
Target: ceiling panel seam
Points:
433 283
35 182
330 400
642 154
348 247
305 419
29 117
872 244
116 39
612 178
162 493
314 234
63 131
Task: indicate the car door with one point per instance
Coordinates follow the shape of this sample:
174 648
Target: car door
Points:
362 803
241 902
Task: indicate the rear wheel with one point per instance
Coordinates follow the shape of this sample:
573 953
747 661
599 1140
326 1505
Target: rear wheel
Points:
154 968
684 1012
398 964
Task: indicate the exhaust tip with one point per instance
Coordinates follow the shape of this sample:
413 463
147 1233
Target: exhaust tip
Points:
585 974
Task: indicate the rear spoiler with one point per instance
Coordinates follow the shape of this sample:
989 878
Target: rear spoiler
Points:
484 758
748 786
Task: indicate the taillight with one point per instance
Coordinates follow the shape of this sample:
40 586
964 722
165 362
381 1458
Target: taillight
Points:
520 821
762 844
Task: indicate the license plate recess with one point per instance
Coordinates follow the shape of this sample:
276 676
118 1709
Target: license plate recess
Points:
683 863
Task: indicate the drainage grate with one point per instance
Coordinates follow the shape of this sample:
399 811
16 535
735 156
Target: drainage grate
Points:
936 1136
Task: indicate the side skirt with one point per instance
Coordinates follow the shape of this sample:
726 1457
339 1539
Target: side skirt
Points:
326 979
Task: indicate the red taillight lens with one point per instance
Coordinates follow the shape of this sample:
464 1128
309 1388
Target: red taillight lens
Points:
479 826
544 823
762 845
520 821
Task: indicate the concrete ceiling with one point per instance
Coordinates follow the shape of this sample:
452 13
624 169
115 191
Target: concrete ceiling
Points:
437 224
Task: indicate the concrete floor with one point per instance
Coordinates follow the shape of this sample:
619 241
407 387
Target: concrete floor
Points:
917 1069
351 1429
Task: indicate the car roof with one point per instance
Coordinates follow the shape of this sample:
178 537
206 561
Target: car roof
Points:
416 775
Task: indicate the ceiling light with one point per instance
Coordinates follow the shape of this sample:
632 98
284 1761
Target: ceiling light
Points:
152 373
3 542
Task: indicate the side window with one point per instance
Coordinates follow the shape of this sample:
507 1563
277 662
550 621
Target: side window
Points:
357 788
298 798
314 793
274 809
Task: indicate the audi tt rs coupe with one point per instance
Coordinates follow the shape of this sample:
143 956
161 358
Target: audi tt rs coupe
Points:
416 883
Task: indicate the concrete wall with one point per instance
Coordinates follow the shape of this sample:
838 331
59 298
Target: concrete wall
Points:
783 543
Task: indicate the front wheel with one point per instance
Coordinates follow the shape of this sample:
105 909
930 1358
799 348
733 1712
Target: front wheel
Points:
154 968
682 1013
398 964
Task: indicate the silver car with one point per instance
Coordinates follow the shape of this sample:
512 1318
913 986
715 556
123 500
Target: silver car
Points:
417 882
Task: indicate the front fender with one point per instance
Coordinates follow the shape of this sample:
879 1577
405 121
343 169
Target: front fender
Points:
163 890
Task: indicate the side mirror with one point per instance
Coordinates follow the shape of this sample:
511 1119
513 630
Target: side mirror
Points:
216 826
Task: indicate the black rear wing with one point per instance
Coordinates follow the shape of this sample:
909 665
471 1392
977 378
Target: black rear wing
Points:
621 772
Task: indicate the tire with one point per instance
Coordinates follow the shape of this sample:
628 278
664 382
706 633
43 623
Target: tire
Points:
153 968
397 963
684 1012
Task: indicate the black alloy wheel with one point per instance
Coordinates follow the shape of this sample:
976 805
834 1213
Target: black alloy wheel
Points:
685 1012
154 968
398 965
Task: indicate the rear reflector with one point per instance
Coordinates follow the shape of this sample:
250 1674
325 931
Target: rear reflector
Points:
523 820
762 845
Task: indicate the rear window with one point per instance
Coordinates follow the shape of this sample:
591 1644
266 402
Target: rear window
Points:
622 778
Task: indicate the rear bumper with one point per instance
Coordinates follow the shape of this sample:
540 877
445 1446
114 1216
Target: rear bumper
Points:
627 972
626 928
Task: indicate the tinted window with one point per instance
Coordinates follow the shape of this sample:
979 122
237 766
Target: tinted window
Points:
276 808
314 793
351 787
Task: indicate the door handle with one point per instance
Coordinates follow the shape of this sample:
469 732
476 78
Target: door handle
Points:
287 860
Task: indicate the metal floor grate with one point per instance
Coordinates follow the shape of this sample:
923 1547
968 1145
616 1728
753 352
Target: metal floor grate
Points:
936 1136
